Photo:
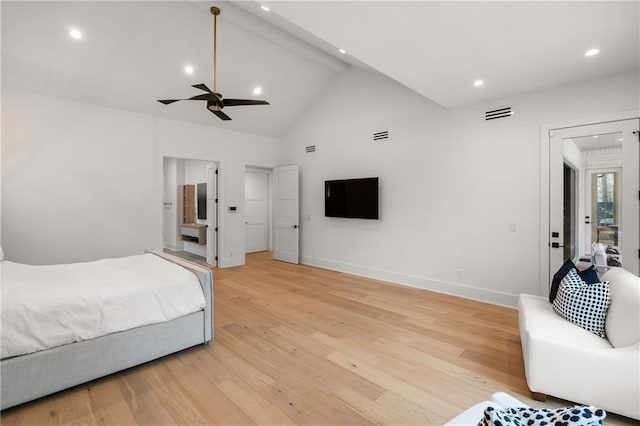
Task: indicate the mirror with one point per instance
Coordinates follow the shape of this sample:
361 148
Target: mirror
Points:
202 201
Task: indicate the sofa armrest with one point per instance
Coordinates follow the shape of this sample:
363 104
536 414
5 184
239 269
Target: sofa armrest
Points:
565 361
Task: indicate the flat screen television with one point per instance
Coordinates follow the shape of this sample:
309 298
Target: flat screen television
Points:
351 198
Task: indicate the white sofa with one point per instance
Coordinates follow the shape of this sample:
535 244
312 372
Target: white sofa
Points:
568 362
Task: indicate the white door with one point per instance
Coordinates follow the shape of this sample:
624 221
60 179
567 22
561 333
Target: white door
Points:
212 214
256 206
622 144
285 212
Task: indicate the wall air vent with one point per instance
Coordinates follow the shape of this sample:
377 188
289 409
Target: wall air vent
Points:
498 113
310 148
378 136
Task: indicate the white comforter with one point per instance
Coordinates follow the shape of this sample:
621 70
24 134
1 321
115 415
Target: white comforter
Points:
48 306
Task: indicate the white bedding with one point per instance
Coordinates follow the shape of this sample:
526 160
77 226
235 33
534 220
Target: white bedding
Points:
48 306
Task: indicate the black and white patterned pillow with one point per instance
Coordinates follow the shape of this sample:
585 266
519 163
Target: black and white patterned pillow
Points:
579 415
583 304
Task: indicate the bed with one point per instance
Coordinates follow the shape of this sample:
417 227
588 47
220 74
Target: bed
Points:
118 333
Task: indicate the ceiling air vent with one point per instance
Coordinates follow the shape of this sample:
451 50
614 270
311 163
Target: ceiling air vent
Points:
310 148
498 113
378 136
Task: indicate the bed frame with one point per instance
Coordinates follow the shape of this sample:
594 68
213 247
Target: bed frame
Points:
28 377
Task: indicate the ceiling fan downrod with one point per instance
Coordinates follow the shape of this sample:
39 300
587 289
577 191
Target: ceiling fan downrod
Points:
215 11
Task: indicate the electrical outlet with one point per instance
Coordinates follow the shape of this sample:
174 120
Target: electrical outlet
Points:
459 273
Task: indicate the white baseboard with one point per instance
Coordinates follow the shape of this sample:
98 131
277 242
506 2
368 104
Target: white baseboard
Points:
230 262
451 288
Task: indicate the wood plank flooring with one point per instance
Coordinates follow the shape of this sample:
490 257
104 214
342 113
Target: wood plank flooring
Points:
300 345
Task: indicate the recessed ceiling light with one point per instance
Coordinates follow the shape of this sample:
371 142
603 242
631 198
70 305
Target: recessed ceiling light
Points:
342 51
75 33
595 136
188 69
591 52
620 140
478 83
265 8
257 90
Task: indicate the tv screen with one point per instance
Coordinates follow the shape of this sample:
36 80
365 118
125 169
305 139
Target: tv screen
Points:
351 198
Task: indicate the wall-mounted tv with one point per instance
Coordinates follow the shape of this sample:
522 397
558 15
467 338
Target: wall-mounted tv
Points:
351 198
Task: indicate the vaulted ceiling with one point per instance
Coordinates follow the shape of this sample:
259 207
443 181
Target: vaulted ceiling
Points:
133 53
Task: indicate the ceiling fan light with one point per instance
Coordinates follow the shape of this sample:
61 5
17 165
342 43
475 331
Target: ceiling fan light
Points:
478 83
592 52
188 69
257 90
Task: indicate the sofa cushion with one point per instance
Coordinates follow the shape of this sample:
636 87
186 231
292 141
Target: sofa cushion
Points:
538 321
557 278
623 319
583 304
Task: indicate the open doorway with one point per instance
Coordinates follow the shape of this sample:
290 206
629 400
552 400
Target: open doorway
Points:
190 216
570 217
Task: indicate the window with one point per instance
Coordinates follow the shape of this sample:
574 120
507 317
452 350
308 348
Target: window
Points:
605 199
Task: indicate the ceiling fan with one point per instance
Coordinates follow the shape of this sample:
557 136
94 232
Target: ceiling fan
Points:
215 101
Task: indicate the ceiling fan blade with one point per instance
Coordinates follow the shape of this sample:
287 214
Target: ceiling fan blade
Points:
236 102
204 97
169 101
221 115
202 86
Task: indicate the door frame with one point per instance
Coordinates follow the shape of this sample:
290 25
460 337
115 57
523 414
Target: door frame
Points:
217 242
545 142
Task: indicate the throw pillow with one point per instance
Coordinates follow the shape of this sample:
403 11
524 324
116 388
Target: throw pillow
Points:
557 278
589 275
578 415
583 304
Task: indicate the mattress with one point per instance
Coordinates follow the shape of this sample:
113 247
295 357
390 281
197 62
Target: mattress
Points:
53 305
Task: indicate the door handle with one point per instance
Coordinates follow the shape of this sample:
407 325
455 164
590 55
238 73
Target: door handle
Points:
294 226
556 245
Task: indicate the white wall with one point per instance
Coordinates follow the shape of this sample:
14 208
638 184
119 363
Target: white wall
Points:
82 182
451 183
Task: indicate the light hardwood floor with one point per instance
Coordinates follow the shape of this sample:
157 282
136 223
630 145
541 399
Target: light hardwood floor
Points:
300 345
